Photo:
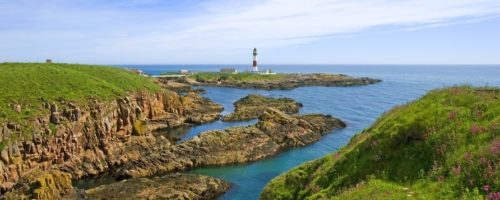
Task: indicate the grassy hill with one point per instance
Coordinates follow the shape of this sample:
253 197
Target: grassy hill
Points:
30 84
445 145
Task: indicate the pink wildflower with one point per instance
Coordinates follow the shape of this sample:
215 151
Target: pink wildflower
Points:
486 188
495 147
494 196
476 129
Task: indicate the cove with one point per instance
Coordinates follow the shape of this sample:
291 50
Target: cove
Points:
358 106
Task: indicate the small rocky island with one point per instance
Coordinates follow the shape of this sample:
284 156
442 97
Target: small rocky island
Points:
252 106
268 81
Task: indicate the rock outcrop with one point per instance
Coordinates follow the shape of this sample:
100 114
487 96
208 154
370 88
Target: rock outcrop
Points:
174 186
252 106
275 132
88 140
45 185
177 86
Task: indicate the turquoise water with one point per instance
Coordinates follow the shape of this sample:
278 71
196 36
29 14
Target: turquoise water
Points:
358 106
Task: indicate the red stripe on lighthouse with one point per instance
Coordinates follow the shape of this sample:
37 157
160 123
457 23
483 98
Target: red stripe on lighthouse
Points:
254 63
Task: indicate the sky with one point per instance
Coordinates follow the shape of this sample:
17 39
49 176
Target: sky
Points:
226 31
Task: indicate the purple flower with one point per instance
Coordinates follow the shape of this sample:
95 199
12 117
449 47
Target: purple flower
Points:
476 129
494 196
495 147
486 188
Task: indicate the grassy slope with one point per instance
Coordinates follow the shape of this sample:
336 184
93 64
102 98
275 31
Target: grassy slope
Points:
28 83
444 146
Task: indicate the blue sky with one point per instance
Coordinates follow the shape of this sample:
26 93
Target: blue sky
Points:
225 31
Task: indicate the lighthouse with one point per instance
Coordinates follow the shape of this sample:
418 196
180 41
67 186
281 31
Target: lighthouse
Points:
255 60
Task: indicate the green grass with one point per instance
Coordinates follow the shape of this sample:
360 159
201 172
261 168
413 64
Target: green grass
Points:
30 84
445 145
238 77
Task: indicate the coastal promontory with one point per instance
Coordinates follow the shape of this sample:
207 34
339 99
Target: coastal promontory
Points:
272 81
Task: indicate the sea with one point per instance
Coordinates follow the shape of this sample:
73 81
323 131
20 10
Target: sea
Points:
359 106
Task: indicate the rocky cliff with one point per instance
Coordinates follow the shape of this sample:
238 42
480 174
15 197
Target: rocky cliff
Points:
90 139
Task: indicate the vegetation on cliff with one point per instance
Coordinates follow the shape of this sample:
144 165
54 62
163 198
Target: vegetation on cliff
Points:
31 91
444 146
88 121
26 86
253 105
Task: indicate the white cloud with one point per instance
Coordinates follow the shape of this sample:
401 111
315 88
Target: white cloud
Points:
216 29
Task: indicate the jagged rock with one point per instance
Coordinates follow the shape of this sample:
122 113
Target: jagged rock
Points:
175 186
17 108
12 126
4 155
76 113
54 118
253 105
53 107
44 185
92 139
275 132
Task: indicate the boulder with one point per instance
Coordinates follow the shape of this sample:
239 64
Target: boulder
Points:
44 185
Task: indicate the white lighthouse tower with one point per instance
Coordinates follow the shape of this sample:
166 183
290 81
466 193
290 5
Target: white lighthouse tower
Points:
255 68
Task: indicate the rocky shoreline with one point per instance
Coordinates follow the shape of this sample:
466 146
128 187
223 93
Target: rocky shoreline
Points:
74 142
275 132
284 82
173 186
87 141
